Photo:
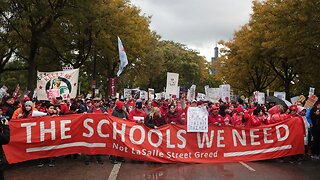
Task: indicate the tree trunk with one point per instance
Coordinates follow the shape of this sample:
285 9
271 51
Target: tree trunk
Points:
32 71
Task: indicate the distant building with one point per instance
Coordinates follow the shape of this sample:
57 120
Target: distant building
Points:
216 53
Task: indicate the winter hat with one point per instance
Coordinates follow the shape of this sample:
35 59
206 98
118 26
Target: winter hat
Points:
238 109
28 103
119 104
165 104
294 108
214 109
154 104
139 104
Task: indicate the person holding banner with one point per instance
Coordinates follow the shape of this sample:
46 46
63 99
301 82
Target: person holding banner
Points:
164 108
173 116
137 114
26 110
214 117
120 112
154 119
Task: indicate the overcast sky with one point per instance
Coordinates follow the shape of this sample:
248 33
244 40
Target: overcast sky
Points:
199 24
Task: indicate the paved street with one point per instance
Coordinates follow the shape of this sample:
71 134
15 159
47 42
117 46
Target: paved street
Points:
76 169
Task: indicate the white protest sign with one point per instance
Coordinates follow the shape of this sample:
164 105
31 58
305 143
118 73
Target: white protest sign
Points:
143 95
66 82
126 93
192 93
261 98
201 96
158 96
172 83
280 95
294 100
225 92
214 94
151 93
311 91
197 119
206 89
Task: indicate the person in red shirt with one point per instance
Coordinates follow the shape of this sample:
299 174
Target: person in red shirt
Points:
96 109
164 108
214 117
64 109
137 114
173 116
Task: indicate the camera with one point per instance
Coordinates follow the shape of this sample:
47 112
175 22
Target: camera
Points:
3 119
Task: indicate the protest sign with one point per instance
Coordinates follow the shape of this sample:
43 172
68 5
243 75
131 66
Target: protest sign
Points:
197 119
113 87
225 92
43 137
192 93
172 83
143 95
214 94
311 101
311 91
206 89
151 94
280 95
126 93
66 82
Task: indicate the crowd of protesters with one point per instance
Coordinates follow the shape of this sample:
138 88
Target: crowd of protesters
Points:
156 113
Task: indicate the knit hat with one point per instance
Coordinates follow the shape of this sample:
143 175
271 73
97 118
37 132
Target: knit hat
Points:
119 104
28 103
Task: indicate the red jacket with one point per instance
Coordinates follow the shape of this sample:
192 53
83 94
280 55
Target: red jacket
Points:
174 117
163 111
212 119
135 113
64 109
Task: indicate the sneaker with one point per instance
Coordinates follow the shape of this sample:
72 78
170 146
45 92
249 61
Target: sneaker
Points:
114 162
51 164
99 161
315 157
40 165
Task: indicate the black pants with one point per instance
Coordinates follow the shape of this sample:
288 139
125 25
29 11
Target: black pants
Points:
316 140
1 174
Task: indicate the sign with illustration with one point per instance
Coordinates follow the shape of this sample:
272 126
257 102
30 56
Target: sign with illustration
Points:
59 83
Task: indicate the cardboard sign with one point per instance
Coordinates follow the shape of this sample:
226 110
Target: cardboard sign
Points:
197 119
311 101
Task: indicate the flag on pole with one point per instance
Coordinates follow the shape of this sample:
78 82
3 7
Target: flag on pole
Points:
122 56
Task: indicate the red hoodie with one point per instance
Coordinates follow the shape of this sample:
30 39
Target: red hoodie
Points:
136 113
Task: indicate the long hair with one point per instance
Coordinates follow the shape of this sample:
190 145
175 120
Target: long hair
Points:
153 111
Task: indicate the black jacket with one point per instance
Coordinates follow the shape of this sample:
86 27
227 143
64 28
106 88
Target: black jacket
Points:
4 139
119 113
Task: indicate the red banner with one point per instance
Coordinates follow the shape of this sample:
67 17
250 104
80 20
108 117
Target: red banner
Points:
113 87
103 134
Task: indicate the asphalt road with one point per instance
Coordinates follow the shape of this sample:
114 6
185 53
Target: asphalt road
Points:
131 170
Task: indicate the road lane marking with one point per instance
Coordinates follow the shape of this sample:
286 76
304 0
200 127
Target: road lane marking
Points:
66 145
247 166
244 153
114 173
